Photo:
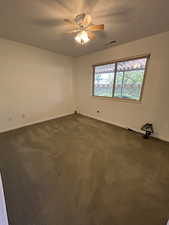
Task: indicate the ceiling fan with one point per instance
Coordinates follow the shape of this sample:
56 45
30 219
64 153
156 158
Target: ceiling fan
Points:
83 26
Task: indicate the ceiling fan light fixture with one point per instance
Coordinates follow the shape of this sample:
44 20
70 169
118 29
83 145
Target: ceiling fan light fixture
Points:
83 25
82 38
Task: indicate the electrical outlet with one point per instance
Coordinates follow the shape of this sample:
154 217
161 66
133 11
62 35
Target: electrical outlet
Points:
23 115
9 119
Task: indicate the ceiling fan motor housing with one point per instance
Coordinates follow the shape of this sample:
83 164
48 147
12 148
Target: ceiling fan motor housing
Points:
80 18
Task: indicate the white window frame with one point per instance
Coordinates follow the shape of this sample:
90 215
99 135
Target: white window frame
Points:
116 62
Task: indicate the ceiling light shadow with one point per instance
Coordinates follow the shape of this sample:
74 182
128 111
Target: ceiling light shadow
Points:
116 14
88 6
48 22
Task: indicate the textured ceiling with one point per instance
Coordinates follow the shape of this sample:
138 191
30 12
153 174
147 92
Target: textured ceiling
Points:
40 22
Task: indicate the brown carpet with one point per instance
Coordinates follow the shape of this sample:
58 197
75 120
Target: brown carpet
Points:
79 171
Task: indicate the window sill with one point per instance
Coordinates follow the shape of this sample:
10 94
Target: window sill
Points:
118 99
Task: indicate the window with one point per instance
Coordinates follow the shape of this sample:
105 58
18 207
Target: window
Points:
120 79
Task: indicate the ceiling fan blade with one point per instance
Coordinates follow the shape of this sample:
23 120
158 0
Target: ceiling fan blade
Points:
87 20
91 35
68 21
71 31
96 27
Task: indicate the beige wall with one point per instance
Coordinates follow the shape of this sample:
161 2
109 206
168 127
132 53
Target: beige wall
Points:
155 103
35 85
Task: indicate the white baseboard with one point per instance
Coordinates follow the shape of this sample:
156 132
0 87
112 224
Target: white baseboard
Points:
35 122
67 114
119 125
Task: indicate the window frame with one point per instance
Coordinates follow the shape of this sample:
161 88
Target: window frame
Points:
115 73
